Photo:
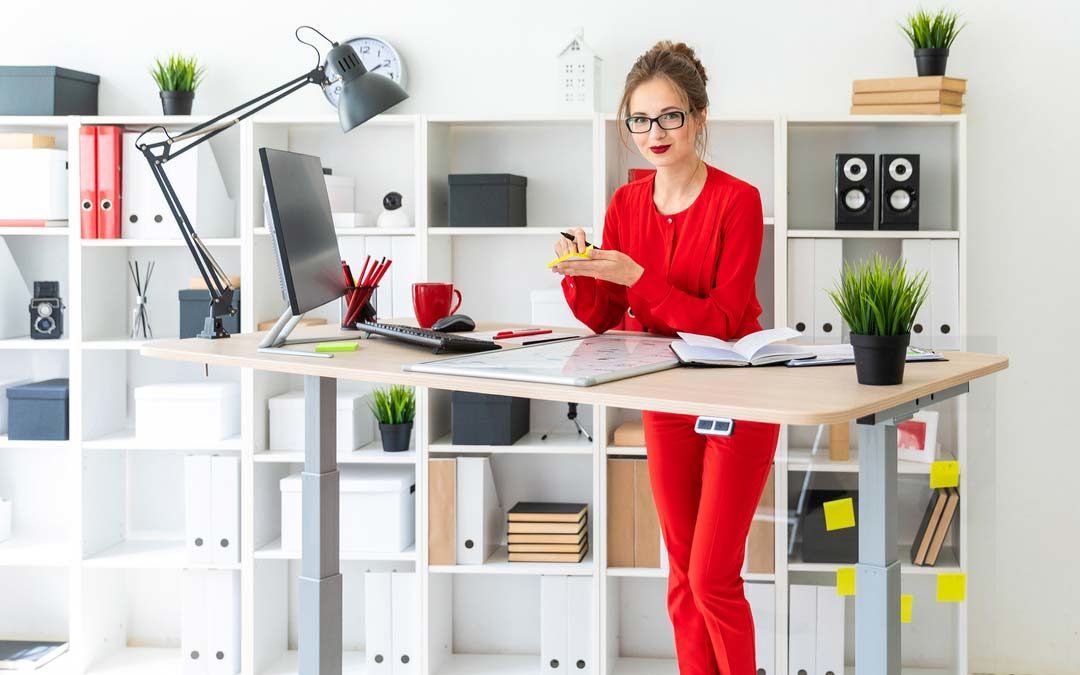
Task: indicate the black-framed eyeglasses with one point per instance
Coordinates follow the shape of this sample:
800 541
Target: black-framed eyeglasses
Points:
669 121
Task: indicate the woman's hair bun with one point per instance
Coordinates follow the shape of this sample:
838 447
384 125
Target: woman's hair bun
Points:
684 50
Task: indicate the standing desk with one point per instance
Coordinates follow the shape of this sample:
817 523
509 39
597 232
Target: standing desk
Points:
809 396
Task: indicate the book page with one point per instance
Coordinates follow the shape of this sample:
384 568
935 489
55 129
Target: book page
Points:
749 345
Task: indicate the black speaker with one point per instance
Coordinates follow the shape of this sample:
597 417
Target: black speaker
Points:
899 196
854 190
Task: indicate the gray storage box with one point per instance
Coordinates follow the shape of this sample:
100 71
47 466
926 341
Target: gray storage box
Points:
38 411
47 90
487 200
486 419
195 307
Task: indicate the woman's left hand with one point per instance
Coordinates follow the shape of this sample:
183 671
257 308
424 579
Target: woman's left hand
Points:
608 265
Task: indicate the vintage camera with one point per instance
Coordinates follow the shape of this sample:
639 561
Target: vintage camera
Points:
46 311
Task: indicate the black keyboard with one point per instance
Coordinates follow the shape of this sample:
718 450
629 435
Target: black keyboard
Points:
438 341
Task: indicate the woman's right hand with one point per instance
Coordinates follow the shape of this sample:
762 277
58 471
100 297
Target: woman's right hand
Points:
564 245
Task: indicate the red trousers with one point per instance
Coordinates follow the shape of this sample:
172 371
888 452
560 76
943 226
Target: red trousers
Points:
706 490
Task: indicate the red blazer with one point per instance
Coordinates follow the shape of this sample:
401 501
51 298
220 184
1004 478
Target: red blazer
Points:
700 263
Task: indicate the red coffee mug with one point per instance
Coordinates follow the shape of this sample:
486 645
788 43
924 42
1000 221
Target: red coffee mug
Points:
431 301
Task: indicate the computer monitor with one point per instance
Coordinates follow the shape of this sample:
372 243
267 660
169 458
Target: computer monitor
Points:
303 238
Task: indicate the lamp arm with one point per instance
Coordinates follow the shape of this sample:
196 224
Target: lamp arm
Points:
217 282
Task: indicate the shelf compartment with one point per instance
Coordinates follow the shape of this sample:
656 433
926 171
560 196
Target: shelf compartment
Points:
873 234
125 439
212 242
21 551
148 555
273 551
497 563
558 443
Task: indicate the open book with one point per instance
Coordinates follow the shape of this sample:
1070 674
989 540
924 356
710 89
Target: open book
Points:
755 349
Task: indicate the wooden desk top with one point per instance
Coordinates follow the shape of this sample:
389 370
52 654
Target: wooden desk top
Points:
819 395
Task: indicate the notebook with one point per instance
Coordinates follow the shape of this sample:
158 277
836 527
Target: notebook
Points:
755 349
28 655
837 355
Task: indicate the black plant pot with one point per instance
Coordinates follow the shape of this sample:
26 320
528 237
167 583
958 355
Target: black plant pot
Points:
931 61
879 359
395 437
177 102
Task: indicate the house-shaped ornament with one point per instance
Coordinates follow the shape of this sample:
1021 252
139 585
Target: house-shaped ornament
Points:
579 76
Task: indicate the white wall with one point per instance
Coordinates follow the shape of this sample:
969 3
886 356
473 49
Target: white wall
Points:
1022 61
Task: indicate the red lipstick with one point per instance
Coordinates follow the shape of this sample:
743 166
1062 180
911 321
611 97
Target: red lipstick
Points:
659 149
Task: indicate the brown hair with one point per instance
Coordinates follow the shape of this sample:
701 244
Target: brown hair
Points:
677 63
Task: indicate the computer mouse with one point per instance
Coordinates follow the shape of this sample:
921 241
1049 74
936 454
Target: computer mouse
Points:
455 323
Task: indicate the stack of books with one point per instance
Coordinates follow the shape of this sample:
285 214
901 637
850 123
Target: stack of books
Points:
936 95
934 527
548 532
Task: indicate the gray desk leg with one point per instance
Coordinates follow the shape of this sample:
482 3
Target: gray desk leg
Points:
320 578
877 597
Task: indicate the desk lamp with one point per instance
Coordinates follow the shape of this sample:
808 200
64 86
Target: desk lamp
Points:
364 94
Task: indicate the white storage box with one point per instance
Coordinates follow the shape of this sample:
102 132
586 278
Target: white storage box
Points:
355 423
4 386
378 509
342 191
33 184
549 308
190 411
5 520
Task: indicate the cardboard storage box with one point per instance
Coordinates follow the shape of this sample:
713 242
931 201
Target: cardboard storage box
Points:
377 509
187 411
38 411
355 423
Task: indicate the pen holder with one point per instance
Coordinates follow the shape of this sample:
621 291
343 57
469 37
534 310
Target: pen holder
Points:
359 304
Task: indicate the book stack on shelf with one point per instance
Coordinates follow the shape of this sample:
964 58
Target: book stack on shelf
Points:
936 95
548 532
934 526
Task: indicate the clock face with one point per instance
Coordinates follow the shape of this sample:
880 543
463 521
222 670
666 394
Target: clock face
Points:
377 55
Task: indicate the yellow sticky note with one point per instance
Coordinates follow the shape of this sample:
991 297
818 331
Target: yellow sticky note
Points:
839 514
905 608
944 474
845 581
951 587
572 254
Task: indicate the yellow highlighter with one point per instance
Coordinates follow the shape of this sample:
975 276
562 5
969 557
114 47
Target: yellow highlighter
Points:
573 254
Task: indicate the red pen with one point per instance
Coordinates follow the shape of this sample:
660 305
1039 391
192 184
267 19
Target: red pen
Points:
521 333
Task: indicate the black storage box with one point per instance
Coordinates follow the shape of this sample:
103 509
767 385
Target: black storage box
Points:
818 544
38 411
47 90
195 307
486 419
487 200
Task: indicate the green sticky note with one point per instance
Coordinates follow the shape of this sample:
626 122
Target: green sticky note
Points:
337 346
845 581
839 514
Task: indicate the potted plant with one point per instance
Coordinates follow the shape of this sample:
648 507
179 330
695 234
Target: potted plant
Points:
931 35
395 409
177 77
878 300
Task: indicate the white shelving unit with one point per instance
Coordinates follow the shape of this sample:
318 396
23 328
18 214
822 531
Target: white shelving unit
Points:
102 552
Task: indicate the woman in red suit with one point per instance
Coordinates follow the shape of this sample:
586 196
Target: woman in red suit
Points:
680 253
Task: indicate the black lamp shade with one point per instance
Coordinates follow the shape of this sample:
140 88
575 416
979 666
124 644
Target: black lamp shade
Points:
363 94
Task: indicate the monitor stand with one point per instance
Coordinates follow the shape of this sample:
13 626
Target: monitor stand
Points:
277 339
